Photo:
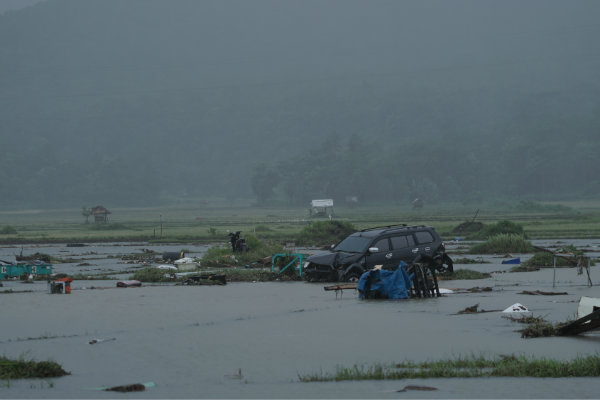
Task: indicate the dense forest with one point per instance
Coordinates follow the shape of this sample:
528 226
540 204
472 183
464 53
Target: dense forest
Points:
144 102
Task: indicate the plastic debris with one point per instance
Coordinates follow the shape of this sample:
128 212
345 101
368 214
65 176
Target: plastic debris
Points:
517 308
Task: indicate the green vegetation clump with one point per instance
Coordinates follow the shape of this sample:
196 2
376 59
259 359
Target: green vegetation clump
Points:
262 228
8 230
544 259
470 261
468 228
464 274
258 275
151 275
21 369
323 233
38 256
469 367
503 227
539 328
523 268
502 244
219 256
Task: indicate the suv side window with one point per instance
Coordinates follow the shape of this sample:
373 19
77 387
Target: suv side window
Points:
399 242
424 237
382 244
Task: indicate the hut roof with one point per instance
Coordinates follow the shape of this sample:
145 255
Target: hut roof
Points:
99 210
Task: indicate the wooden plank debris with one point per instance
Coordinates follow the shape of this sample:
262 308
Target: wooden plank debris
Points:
583 324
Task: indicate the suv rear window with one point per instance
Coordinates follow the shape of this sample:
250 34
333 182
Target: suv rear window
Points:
424 237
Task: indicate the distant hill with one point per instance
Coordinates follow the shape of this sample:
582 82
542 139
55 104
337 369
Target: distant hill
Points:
134 102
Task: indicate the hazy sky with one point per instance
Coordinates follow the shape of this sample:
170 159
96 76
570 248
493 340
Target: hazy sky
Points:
7 5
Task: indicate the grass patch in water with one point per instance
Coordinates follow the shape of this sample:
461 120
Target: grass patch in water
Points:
152 275
464 274
468 367
22 369
502 244
543 259
466 260
219 256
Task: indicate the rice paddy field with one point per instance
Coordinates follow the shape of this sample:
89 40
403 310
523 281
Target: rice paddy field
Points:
208 223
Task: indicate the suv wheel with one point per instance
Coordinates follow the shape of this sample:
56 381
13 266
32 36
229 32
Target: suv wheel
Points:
352 276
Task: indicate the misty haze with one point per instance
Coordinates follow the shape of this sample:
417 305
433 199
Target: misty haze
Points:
134 103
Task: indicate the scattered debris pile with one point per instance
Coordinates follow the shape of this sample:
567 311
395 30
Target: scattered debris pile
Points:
208 279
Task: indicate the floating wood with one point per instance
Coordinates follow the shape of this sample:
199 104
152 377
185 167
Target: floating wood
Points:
136 387
415 387
341 287
539 292
583 324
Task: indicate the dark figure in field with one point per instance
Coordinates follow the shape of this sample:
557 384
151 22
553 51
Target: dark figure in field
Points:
237 244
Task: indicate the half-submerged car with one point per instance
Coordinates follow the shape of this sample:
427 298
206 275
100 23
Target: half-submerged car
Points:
386 246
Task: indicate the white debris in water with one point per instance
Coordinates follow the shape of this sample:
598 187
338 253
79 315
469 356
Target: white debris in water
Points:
516 308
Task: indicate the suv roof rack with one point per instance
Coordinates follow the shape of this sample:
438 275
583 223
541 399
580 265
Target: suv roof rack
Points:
385 226
388 227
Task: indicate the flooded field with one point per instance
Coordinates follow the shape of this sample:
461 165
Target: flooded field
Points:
252 340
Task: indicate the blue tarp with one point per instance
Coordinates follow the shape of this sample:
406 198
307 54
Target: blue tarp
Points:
383 284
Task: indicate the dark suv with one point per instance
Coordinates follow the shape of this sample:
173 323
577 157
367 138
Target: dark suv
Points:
386 246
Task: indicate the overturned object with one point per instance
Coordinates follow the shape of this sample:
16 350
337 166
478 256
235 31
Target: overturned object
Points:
62 285
517 308
384 284
588 318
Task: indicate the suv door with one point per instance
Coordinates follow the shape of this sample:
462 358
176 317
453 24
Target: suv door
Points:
425 241
384 256
402 245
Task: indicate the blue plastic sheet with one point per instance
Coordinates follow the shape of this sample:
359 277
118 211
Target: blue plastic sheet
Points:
384 284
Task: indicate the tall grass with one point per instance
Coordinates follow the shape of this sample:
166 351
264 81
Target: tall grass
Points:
468 367
22 369
219 256
464 274
324 233
543 259
503 243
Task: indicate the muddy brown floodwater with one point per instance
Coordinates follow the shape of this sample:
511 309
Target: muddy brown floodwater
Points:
251 340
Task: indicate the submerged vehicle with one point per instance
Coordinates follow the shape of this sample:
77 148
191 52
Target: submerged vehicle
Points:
386 246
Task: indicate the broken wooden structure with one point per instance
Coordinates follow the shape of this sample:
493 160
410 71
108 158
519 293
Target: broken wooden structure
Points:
586 323
424 282
577 260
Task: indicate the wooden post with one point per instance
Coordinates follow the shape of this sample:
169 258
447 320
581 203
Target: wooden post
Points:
554 274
